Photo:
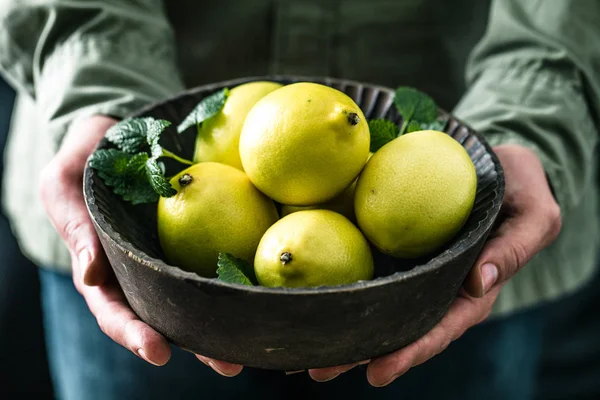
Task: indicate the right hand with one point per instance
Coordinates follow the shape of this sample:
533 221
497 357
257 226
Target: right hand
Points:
61 191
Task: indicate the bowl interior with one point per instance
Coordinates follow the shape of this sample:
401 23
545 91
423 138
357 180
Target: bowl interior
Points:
133 228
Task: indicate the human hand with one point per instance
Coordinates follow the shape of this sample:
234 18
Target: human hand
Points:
61 191
530 221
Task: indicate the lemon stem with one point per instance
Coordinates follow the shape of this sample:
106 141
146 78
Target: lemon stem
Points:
285 257
167 153
353 118
185 180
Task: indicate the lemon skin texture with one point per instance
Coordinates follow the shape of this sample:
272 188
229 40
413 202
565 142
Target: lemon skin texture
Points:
313 248
219 137
343 203
304 144
415 194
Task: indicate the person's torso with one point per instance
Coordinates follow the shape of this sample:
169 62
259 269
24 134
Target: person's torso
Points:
421 43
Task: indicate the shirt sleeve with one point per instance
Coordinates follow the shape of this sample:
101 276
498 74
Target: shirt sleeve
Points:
534 80
79 58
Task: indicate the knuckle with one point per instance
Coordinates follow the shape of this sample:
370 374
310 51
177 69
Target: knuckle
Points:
423 344
428 348
443 345
555 221
518 255
130 330
101 319
105 319
71 232
77 284
484 316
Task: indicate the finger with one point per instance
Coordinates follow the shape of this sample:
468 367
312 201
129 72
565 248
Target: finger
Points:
515 243
63 200
221 367
119 322
62 195
464 313
108 304
327 374
532 222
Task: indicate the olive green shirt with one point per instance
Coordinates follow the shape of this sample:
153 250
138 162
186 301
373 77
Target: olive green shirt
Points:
519 71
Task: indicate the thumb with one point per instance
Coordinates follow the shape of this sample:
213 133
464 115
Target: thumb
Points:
61 191
532 220
511 247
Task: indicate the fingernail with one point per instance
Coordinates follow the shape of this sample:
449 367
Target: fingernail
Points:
220 370
489 276
328 378
364 362
142 354
336 372
390 380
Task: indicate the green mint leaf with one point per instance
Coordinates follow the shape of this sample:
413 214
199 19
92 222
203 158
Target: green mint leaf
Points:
413 126
235 270
138 182
413 104
438 125
125 173
128 135
157 179
130 171
111 163
382 131
207 108
154 128
134 135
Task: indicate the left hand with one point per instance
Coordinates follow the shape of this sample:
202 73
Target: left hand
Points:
530 221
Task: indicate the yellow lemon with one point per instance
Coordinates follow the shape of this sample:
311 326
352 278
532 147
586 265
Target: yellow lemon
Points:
313 248
216 209
304 144
219 137
343 203
415 193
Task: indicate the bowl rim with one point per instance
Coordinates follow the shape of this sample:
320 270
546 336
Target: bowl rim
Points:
159 265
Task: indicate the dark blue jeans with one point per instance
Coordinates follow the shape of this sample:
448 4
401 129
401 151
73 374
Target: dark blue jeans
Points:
496 360
570 362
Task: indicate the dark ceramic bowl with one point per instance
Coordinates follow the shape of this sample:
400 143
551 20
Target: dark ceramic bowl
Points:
290 329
